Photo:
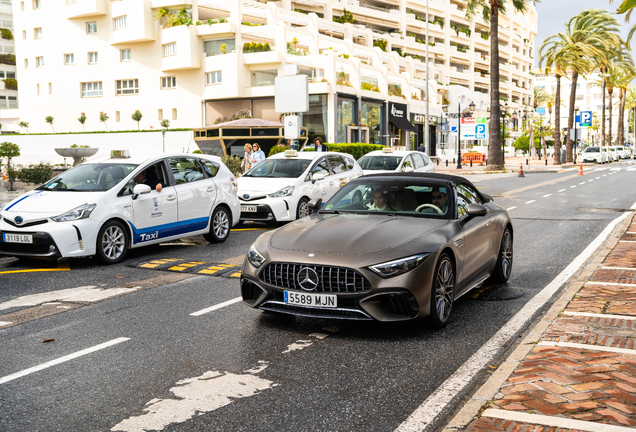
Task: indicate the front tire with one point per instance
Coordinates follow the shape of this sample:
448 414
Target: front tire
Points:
303 208
442 292
219 226
503 268
112 242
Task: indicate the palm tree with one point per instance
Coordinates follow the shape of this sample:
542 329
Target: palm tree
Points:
490 12
623 83
49 120
630 103
103 117
82 120
136 116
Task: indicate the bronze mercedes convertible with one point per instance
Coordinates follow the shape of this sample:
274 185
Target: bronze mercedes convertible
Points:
385 247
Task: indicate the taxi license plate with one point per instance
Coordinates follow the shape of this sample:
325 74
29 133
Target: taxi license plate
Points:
17 238
311 300
248 209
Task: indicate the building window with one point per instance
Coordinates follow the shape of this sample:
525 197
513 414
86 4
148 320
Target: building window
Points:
168 82
37 33
90 89
127 87
160 114
36 4
26 63
174 113
125 54
22 6
170 49
213 78
92 58
39 62
69 59
37 89
219 46
91 27
117 116
119 22
23 34
50 88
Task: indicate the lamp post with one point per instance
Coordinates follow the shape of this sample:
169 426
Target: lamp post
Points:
163 133
504 112
459 117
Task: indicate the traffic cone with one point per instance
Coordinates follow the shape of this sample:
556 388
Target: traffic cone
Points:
581 170
521 171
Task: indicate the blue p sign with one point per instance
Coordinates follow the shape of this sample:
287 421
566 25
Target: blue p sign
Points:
480 131
586 118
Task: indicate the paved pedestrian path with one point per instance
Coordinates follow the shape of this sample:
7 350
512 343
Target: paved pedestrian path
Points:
576 370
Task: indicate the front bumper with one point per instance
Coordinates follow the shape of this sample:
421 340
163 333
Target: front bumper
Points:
271 210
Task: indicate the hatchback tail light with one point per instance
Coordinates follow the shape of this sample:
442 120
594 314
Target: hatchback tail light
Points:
233 180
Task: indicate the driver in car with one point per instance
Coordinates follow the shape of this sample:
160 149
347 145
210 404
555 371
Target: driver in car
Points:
142 179
440 198
380 201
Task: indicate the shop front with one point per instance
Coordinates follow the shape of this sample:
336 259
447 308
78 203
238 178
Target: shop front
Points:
399 125
359 120
419 137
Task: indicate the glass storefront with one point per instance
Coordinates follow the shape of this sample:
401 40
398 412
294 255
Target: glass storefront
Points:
371 117
315 120
346 117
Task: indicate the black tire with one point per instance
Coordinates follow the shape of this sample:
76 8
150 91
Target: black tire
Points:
112 242
303 209
442 292
503 268
220 224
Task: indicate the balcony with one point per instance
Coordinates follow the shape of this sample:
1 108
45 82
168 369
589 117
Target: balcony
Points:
186 51
86 8
263 58
173 4
140 23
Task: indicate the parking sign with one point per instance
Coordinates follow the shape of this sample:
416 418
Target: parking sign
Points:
586 119
480 131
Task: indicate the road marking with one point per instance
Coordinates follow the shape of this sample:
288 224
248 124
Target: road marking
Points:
304 343
548 195
588 314
65 267
437 402
511 208
561 190
4 323
597 178
529 202
62 360
588 347
582 183
215 307
604 175
251 229
572 187
609 284
560 422
626 241
80 294
618 268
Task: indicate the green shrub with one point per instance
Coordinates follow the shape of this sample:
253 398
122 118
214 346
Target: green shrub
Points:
8 59
357 150
278 149
6 34
233 163
10 84
35 174
197 152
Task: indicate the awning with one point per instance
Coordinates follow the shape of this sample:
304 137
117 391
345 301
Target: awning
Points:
397 116
403 124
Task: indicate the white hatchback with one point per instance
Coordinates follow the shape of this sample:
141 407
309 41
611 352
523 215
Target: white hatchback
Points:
389 160
104 208
279 188
593 154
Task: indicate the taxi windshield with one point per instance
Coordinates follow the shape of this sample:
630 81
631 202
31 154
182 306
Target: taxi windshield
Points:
388 163
279 168
591 150
90 177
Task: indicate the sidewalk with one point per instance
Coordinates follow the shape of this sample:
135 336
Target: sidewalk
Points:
576 369
512 165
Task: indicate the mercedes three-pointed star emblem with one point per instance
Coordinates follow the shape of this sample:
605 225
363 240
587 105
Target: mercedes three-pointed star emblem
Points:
307 279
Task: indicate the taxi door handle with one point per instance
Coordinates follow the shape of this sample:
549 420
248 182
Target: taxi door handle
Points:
330 183
171 197
210 189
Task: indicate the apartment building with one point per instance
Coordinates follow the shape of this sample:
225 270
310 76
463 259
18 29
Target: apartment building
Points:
9 116
365 61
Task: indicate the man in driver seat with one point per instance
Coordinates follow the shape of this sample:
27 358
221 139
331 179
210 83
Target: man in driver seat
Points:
142 179
440 198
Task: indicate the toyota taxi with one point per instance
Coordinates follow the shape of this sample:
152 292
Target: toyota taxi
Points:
279 188
104 208
388 160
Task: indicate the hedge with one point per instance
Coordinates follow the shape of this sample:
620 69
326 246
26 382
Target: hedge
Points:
357 150
35 174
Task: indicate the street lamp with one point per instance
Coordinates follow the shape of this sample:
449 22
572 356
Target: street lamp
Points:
504 112
459 116
163 132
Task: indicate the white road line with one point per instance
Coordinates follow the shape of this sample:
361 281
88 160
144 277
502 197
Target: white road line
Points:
626 241
588 314
560 422
4 323
430 409
545 196
219 306
529 202
604 175
597 178
618 268
610 284
62 360
582 183
571 187
588 347
561 190
511 208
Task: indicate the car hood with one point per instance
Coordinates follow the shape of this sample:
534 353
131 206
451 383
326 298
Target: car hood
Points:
263 185
50 202
351 234
367 172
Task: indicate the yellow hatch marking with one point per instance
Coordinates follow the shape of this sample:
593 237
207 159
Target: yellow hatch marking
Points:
236 274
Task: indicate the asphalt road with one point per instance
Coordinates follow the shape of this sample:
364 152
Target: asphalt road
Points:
237 369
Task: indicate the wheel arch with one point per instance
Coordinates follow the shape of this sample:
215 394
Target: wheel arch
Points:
229 212
451 254
126 225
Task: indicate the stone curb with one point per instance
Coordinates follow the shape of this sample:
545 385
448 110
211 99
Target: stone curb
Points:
471 410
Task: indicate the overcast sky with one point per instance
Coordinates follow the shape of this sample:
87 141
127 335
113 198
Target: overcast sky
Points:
554 14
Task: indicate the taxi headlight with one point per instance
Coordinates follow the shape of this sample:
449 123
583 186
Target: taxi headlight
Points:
254 257
398 267
2 206
286 191
81 212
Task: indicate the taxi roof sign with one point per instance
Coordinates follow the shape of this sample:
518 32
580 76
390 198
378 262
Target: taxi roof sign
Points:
387 150
291 153
119 154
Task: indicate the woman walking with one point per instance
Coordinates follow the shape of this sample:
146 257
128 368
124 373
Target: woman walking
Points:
257 155
245 163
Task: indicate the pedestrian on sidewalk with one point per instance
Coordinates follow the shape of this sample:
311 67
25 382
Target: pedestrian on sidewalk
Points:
421 148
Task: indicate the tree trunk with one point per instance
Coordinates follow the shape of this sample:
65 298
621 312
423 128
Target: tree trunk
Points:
495 151
557 122
603 116
609 132
620 138
568 145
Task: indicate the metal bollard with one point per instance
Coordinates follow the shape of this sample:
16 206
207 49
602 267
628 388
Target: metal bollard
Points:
453 161
471 163
526 161
546 162
446 162
437 161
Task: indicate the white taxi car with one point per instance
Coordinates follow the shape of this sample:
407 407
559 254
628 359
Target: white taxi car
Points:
389 160
593 154
104 208
279 188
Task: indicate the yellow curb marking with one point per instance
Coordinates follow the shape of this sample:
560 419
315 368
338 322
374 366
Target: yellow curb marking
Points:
157 263
236 274
67 267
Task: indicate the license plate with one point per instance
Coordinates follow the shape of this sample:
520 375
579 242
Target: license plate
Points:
17 238
248 209
311 300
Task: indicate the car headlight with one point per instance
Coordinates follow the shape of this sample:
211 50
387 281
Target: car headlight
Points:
398 267
81 212
286 191
2 206
255 258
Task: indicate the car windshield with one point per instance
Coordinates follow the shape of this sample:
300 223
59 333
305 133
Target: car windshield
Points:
412 197
388 163
279 168
591 150
90 177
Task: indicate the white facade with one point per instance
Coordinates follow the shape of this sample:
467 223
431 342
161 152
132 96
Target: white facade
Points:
87 57
9 114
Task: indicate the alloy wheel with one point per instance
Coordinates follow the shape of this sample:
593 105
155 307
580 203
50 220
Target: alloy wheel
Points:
444 284
113 242
303 208
506 254
221 224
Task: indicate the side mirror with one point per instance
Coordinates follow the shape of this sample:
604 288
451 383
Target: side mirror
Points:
314 205
477 210
141 189
317 177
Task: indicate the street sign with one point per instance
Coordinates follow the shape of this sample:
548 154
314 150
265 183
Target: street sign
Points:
291 94
454 129
473 128
586 119
480 131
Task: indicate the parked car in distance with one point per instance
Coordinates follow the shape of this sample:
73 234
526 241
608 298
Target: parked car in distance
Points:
279 188
104 208
593 154
613 151
607 157
389 160
434 239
